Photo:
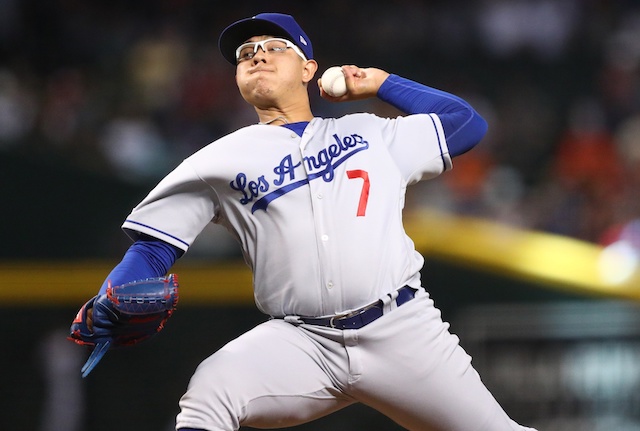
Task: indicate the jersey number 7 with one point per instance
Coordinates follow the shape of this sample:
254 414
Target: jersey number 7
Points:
364 194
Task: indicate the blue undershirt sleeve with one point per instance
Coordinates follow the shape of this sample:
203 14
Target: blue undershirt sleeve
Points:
148 257
463 126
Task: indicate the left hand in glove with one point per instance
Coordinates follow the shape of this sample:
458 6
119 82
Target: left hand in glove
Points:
123 316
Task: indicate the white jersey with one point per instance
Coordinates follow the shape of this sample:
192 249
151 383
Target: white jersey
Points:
318 217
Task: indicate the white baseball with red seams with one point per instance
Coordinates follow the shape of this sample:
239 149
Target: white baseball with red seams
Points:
333 82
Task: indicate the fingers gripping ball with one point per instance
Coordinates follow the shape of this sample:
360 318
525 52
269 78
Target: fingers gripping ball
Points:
334 82
125 315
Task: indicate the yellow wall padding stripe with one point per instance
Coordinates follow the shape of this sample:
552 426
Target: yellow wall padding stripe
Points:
555 261
549 260
73 283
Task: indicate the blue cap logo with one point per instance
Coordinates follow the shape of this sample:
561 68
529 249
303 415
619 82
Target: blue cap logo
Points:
272 24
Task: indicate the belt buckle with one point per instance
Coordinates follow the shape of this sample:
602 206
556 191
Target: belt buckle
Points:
352 313
342 316
333 318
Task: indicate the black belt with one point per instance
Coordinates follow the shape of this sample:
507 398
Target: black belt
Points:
361 317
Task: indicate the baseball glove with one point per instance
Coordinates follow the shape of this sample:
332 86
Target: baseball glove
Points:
125 315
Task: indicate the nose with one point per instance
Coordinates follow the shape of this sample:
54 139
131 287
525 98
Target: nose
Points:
260 55
260 48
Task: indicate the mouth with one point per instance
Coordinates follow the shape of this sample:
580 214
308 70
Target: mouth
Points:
259 69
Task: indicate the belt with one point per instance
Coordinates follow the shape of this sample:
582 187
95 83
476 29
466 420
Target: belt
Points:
361 317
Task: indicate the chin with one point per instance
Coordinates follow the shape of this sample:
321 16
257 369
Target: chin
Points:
260 97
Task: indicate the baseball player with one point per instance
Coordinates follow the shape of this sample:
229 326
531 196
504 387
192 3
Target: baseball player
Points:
316 205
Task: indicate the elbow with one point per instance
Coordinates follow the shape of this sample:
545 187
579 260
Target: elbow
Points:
476 129
468 135
480 126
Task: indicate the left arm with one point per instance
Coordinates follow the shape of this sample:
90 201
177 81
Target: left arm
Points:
148 257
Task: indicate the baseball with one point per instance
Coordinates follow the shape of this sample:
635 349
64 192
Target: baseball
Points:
333 82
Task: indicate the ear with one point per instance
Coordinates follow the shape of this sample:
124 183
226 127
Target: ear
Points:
309 70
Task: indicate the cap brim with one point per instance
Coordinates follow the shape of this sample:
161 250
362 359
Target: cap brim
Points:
239 32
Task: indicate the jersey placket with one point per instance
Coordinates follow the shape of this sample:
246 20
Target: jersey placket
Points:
320 204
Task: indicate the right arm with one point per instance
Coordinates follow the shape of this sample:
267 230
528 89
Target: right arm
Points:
462 125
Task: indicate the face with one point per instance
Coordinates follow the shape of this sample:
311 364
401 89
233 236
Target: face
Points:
274 78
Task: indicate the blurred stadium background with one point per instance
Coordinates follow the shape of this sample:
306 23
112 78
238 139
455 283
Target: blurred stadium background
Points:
532 242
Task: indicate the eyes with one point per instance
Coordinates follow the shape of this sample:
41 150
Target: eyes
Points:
248 50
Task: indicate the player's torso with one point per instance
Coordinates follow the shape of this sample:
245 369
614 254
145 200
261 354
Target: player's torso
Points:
318 216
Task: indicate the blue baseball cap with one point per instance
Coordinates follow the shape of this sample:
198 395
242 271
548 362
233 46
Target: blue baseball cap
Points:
272 24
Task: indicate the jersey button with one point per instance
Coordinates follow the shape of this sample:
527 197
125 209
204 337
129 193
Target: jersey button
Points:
330 285
325 237
320 196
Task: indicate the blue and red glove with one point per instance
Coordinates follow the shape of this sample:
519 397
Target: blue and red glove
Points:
124 315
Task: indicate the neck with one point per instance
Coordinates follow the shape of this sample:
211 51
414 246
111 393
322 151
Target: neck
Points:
278 117
276 121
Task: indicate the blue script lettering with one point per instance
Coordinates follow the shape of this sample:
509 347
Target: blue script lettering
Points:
322 165
249 189
325 158
285 167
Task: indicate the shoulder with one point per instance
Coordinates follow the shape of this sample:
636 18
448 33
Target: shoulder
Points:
356 116
364 118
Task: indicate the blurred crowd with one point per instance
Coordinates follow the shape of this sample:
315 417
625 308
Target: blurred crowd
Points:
130 88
